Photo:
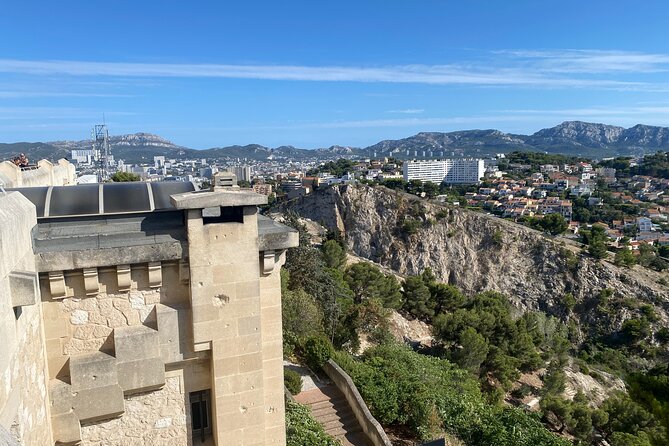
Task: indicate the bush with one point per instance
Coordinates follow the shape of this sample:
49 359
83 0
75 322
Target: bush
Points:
429 395
124 177
292 380
521 392
317 351
411 226
303 430
441 214
497 238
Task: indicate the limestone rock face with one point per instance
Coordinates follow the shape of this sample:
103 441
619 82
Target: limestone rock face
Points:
479 252
585 133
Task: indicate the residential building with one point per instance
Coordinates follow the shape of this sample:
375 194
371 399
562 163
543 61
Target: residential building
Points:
449 171
243 173
82 156
644 224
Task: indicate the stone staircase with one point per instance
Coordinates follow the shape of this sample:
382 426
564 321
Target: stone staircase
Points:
330 408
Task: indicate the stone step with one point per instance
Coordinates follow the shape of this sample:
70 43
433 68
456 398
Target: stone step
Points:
339 408
327 403
344 416
332 411
354 439
349 426
339 432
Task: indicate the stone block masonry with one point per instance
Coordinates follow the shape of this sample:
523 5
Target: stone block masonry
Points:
176 337
24 403
151 418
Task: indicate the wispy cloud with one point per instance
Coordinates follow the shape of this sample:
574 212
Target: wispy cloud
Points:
500 119
512 70
13 94
20 113
590 61
407 111
658 111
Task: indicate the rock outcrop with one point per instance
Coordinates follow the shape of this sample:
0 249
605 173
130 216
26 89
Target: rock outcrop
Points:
479 252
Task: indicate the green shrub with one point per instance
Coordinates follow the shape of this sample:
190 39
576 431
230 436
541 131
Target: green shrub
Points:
292 380
426 394
317 351
497 238
411 226
522 391
303 430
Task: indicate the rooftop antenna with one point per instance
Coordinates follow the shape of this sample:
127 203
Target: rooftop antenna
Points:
101 150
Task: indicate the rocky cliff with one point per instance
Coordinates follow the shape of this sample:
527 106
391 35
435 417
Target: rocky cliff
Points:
477 252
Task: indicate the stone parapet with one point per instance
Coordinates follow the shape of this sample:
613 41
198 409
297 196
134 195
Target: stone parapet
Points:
218 198
344 383
45 173
95 258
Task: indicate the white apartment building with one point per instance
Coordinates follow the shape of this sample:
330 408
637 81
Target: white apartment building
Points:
243 173
449 171
82 156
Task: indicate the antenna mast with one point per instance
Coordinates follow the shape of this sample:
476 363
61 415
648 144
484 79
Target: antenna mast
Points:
101 151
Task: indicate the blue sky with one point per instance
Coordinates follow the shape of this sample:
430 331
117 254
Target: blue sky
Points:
313 74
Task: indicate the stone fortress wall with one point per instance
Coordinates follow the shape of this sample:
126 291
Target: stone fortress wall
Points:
24 407
120 338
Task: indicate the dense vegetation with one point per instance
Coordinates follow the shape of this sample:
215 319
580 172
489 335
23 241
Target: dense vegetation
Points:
431 396
656 165
536 159
457 387
303 430
123 177
336 168
454 192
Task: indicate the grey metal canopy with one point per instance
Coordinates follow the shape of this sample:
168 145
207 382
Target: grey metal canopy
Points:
104 198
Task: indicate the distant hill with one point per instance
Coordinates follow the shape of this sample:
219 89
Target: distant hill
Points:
569 138
460 143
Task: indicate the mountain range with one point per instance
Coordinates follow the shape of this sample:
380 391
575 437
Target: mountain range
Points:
569 138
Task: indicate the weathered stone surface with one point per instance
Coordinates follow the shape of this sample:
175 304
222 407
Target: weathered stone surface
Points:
123 277
78 317
91 283
219 198
155 274
57 260
167 319
92 370
24 288
154 418
24 403
136 343
66 429
57 284
141 375
100 403
61 396
275 236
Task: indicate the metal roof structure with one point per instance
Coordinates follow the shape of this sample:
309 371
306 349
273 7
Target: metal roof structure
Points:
103 198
